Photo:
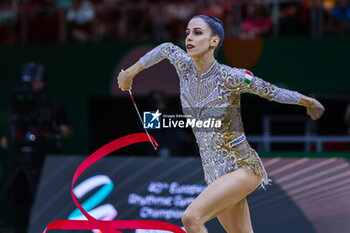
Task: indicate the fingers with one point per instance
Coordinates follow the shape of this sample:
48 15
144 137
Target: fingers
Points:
316 113
320 111
123 83
316 116
315 109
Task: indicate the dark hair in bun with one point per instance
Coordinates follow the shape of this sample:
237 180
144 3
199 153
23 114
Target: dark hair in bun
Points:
216 27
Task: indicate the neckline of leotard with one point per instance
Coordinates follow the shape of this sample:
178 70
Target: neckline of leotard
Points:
208 71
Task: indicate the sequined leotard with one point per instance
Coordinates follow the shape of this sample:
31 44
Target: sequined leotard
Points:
216 94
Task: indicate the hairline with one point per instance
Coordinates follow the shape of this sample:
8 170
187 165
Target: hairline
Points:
212 31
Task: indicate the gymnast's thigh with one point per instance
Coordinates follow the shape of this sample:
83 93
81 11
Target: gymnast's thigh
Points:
222 194
237 218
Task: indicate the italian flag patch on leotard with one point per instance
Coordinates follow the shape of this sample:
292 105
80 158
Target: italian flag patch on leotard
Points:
248 77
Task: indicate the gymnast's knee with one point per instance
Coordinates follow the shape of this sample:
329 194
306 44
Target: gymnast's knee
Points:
191 220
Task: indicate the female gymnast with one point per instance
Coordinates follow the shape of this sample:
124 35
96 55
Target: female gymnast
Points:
232 169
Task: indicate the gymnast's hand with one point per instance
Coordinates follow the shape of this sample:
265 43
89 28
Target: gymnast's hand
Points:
125 80
315 109
125 77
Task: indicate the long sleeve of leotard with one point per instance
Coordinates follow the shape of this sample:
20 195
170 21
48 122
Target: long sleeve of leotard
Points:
244 81
173 53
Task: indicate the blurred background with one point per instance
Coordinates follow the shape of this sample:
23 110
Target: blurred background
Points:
58 93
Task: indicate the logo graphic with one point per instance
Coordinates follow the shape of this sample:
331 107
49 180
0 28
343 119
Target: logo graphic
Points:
151 120
102 212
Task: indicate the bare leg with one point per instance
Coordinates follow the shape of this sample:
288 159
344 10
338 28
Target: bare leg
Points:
218 197
237 218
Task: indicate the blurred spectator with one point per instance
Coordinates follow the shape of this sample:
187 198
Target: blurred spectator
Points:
111 20
290 19
110 3
176 18
215 8
328 5
107 28
8 22
317 11
139 23
80 18
8 11
37 124
257 23
339 22
64 3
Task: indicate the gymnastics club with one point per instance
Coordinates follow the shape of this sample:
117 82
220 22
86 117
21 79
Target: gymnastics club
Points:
138 113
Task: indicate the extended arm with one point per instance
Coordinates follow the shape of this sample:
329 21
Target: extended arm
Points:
166 50
245 81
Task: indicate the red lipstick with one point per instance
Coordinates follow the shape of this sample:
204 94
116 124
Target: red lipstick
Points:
189 46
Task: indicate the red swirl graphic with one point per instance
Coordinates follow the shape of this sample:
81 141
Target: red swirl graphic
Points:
110 226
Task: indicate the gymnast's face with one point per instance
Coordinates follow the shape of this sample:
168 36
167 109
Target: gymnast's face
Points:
200 39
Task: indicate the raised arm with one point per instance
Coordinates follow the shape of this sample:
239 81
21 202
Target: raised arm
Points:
243 81
173 53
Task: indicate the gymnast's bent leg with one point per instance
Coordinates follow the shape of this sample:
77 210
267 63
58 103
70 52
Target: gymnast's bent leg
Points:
220 196
237 218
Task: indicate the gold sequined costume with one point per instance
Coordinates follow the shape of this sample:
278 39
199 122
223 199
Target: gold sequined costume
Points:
216 94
